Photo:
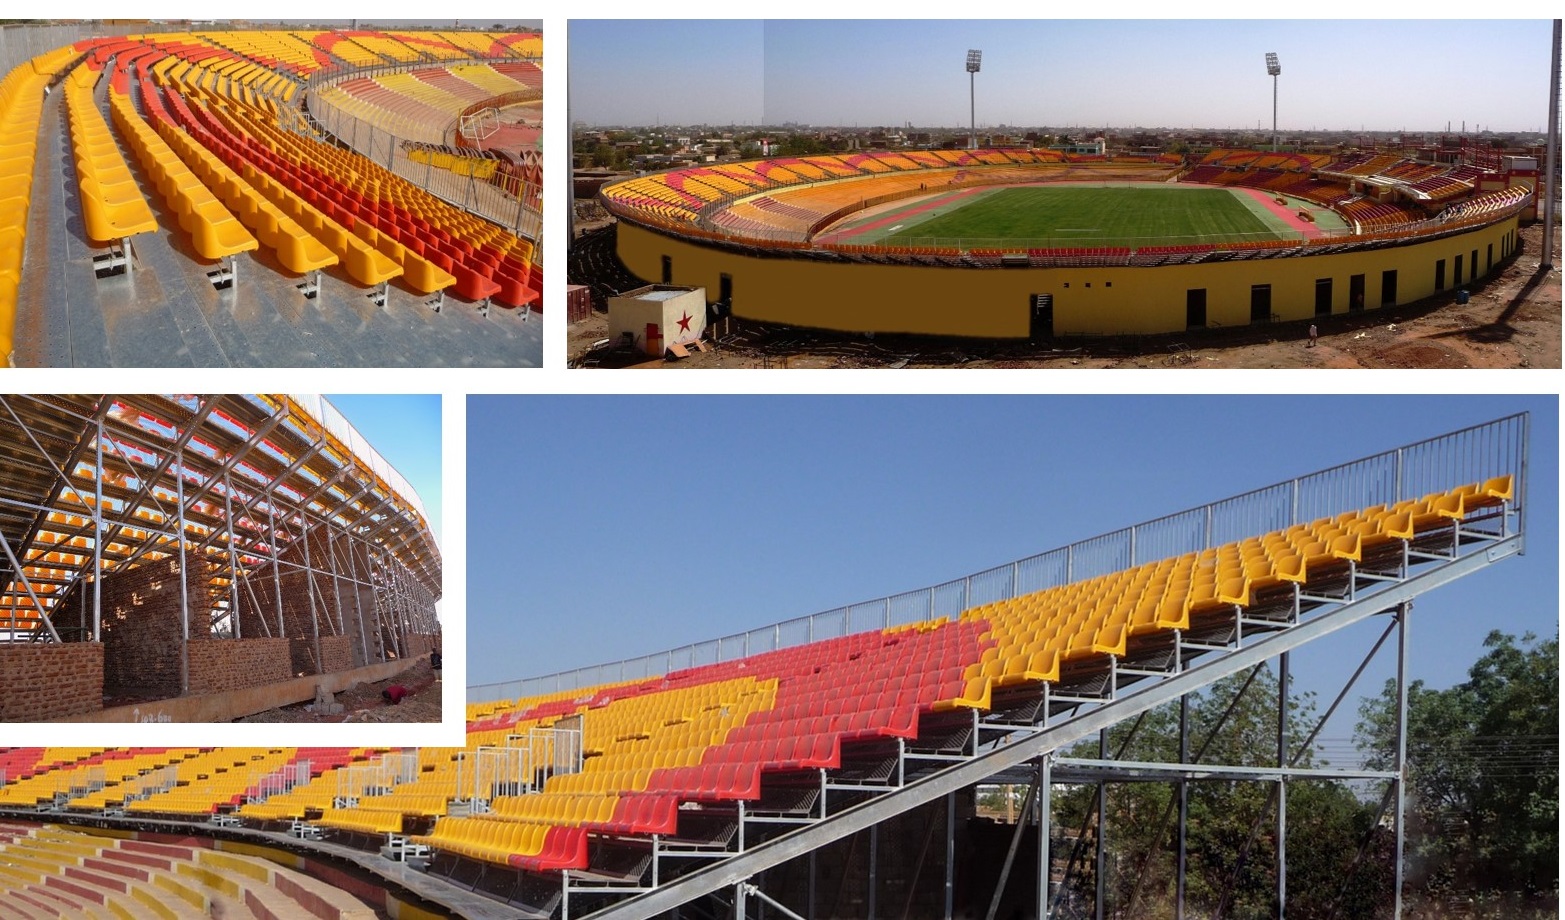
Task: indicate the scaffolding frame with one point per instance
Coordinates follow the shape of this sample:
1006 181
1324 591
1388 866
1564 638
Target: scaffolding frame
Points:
241 484
1021 738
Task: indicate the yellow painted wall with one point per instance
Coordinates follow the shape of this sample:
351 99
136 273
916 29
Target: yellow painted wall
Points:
994 303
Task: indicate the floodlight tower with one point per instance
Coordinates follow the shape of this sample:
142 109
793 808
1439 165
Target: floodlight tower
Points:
974 60
1273 68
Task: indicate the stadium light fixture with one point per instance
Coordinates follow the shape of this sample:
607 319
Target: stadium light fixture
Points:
975 60
1273 68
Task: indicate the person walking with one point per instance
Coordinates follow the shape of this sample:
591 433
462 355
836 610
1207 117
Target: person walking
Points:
1313 334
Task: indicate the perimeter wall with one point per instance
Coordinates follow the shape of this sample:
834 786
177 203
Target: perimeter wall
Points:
996 303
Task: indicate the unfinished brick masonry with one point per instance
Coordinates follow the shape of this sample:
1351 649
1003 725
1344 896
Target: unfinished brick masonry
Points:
46 681
217 665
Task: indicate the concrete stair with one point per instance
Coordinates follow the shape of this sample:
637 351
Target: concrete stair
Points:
55 872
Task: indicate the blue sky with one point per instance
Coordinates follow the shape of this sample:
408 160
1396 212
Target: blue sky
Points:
406 431
1388 75
648 522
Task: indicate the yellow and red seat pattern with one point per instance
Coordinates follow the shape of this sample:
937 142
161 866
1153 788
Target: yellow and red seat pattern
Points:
712 733
249 76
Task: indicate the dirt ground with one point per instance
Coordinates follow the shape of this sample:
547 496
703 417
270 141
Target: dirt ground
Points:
1512 319
363 702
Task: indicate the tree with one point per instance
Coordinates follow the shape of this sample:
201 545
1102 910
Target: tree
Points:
1231 833
1482 770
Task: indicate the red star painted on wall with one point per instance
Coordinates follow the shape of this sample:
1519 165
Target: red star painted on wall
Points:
684 321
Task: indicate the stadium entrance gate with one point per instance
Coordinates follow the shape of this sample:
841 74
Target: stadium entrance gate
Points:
1195 308
1042 324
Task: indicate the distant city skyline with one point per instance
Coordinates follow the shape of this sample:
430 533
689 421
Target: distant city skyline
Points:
1336 75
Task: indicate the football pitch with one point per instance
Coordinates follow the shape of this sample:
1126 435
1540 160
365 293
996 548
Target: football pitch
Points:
1062 216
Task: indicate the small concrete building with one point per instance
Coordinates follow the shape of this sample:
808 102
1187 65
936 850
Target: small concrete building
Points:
658 316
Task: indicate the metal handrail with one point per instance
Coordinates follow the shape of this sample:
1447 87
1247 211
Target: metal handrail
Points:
1436 464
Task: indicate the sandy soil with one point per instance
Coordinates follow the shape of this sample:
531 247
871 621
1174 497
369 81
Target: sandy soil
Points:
1512 319
363 702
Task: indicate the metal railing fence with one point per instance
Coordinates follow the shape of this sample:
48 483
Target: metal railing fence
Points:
21 42
1438 464
384 146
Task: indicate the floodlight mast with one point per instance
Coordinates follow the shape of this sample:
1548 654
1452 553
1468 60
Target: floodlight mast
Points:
974 62
1273 68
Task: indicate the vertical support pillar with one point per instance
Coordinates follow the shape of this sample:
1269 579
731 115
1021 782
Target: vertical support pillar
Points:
1403 610
309 591
97 539
1282 787
336 587
1551 192
809 904
1045 824
184 578
233 559
739 906
950 892
358 594
1099 850
277 578
1181 865
874 860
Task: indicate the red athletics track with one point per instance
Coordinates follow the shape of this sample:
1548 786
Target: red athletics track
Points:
1289 216
839 235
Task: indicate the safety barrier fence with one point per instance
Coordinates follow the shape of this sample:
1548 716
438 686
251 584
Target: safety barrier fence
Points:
1472 454
390 148
22 42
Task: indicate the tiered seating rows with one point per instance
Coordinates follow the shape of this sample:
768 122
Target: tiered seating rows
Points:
712 733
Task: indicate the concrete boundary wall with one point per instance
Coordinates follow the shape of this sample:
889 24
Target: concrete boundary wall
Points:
1086 300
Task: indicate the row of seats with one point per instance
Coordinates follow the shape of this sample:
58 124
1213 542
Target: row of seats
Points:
378 228
484 260
714 733
112 205
214 232
523 845
684 195
21 105
294 246
1035 635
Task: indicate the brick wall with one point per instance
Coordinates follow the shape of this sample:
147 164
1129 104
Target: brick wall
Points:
141 626
337 652
48 681
217 665
421 644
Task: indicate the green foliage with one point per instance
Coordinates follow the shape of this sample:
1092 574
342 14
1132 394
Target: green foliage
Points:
801 145
1483 770
1231 840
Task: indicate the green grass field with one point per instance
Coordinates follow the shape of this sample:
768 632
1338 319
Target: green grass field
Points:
1097 216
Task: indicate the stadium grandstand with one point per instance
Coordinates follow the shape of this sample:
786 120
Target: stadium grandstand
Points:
182 195
201 558
725 779
1043 243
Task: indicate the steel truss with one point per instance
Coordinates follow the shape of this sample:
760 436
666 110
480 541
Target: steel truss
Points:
1022 736
91 486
